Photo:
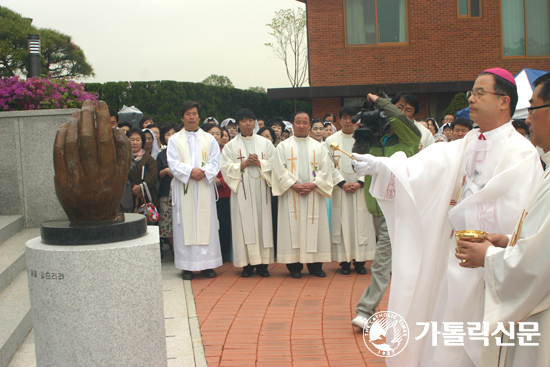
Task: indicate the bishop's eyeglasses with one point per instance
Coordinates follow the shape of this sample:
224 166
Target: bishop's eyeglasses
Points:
480 92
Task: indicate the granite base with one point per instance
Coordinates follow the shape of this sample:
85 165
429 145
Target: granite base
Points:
97 305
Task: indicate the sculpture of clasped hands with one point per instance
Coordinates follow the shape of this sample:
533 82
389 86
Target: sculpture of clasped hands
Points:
91 161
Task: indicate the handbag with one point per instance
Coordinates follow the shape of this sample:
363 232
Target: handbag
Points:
147 209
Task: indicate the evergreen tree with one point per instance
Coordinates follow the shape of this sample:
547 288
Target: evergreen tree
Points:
458 103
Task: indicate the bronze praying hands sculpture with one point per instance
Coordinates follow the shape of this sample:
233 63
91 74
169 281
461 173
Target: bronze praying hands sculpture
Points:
91 161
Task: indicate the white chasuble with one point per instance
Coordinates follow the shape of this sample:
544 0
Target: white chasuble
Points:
302 234
251 225
352 229
517 287
423 204
195 219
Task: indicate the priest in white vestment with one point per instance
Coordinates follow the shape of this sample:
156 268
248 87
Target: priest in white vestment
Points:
194 158
352 229
481 182
302 178
516 268
246 167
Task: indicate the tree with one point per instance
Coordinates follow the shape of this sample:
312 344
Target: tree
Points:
14 31
61 57
289 29
258 89
459 102
218 81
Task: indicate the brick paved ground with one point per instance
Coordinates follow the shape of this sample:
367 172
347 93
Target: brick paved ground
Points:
281 321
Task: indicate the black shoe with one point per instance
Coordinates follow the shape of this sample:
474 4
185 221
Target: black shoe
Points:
263 273
261 270
346 268
360 269
187 275
247 272
295 274
208 273
319 273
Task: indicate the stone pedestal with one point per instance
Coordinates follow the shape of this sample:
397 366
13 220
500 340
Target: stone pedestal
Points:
97 305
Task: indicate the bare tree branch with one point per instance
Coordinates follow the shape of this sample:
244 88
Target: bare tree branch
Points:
289 28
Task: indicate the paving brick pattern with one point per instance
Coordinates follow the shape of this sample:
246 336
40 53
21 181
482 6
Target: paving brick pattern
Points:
281 321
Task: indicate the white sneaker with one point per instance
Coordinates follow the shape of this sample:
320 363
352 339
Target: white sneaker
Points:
359 321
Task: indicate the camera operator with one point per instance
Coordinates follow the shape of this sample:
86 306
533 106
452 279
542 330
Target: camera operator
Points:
400 134
409 105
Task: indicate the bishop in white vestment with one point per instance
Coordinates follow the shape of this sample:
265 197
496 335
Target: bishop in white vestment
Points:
481 182
302 178
516 270
246 167
195 220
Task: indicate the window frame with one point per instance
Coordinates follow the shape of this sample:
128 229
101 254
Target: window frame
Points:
468 16
377 44
518 57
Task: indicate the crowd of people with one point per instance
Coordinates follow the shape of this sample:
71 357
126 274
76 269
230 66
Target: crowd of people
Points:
254 192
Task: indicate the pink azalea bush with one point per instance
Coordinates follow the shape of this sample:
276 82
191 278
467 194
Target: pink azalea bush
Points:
41 93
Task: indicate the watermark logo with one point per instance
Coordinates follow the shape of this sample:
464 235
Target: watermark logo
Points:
386 334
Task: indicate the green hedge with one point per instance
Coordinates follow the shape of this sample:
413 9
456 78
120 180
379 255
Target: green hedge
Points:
162 99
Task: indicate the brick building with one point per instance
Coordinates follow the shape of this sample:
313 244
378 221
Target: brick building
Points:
432 48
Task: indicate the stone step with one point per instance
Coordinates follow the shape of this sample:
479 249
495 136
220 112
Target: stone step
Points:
15 318
25 356
10 225
12 256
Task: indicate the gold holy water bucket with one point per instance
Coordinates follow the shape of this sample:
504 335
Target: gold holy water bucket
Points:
470 236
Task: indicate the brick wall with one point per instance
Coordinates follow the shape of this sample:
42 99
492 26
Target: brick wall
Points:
441 47
423 112
322 106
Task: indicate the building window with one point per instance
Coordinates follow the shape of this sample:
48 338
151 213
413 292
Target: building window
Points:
375 22
469 8
525 28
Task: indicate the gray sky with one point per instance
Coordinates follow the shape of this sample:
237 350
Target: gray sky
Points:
182 40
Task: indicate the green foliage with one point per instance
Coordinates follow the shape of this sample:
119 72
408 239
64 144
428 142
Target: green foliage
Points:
218 81
60 57
289 28
258 89
162 99
459 102
14 31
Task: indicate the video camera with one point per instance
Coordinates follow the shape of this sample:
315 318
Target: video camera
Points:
374 124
